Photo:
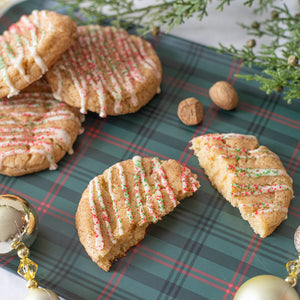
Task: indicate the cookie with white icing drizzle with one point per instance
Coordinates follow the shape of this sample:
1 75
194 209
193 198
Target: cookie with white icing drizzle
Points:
118 206
30 46
249 176
36 131
106 71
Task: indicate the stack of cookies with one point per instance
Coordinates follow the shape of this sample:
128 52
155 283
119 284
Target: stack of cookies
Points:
88 68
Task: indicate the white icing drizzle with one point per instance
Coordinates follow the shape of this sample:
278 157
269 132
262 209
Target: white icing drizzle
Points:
98 38
146 61
253 172
188 181
13 90
101 85
38 140
99 240
99 243
60 114
137 162
18 59
227 136
125 193
33 47
127 81
80 84
158 194
127 54
119 58
46 151
250 189
147 189
162 175
114 202
103 210
262 208
259 152
139 179
57 92
243 156
32 101
9 58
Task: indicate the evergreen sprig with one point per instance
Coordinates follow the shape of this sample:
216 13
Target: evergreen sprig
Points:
125 12
278 60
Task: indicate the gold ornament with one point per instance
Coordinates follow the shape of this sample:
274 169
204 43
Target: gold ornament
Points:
41 294
269 287
18 230
18 222
266 287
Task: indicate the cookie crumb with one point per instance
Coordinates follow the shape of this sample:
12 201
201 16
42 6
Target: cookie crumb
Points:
190 111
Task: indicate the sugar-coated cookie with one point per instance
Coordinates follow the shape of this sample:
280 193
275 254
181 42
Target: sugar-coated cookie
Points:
118 206
249 176
36 131
106 71
30 46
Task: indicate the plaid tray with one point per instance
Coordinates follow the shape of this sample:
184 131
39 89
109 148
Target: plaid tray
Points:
203 250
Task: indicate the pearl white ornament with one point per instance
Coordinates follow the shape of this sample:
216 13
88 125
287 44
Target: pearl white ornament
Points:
41 294
266 287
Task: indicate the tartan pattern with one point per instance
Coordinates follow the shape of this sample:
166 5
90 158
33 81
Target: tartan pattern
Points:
202 250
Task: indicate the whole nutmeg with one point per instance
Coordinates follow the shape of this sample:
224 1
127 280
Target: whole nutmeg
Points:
190 111
224 95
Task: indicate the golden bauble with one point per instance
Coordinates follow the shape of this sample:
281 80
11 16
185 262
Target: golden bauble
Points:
41 294
266 287
18 223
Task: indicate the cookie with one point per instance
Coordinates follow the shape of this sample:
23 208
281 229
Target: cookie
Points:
249 176
30 46
36 131
118 206
106 71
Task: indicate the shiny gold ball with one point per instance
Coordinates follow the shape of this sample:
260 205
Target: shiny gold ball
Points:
41 294
18 224
266 287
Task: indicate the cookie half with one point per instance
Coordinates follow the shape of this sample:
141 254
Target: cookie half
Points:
106 71
118 206
30 46
249 176
36 131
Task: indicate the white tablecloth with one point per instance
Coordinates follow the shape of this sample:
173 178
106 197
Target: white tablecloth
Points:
217 27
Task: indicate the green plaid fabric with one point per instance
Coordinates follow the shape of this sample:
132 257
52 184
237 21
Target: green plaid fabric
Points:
202 250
